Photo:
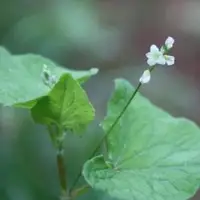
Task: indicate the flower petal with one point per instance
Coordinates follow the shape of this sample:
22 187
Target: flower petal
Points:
161 60
151 62
154 49
170 60
149 55
169 42
146 76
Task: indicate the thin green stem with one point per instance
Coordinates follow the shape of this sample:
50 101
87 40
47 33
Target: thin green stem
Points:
61 163
152 68
61 173
57 140
117 119
112 126
104 139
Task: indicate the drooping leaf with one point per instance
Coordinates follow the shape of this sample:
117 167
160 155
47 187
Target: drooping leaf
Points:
20 78
66 105
36 62
153 155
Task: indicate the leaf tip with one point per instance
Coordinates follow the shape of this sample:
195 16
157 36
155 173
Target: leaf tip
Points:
94 71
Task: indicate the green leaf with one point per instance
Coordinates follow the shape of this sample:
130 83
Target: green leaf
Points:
67 106
154 155
36 63
20 78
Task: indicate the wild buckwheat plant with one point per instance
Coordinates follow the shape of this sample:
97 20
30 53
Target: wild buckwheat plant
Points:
149 154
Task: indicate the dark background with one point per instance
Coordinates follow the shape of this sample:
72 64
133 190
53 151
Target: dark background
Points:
112 35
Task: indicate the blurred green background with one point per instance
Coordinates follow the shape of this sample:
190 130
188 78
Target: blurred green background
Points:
112 35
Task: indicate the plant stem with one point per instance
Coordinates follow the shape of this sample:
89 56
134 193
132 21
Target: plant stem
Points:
57 139
61 173
117 119
112 126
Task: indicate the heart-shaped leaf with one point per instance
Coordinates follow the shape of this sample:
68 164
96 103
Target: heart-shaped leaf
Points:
66 106
152 155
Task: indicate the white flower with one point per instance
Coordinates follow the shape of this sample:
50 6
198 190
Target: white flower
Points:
155 56
146 76
170 60
169 42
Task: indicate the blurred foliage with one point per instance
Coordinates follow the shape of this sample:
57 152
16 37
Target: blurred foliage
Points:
61 28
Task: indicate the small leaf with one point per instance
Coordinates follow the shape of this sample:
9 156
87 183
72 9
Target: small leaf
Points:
66 105
20 78
154 155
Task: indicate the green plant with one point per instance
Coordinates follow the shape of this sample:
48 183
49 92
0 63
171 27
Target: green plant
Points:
149 154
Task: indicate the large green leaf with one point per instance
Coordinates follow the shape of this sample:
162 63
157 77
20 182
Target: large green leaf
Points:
153 155
20 78
66 105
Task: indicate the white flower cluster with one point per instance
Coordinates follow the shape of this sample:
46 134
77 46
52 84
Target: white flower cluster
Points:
158 56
